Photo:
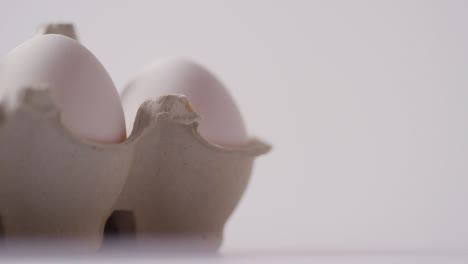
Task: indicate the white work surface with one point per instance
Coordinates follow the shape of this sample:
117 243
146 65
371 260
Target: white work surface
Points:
365 103
247 259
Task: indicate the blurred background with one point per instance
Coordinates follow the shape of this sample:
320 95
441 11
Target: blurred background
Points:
365 103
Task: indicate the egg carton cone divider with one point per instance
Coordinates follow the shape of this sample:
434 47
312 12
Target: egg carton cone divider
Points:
164 182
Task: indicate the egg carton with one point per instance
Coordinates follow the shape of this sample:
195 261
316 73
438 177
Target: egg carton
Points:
164 182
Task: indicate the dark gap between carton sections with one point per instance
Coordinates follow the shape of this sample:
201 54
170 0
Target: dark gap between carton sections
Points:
120 227
2 232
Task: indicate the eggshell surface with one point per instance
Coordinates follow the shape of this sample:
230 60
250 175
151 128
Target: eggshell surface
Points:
221 120
82 89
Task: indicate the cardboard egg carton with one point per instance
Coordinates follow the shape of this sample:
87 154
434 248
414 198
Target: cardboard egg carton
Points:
165 182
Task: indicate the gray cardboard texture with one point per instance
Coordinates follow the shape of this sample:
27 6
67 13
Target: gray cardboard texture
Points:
53 185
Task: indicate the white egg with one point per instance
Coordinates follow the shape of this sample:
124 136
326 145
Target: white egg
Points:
83 90
221 120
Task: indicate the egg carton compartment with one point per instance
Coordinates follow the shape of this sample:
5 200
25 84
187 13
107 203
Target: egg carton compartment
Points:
165 183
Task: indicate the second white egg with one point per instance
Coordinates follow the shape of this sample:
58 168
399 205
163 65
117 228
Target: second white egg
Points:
221 120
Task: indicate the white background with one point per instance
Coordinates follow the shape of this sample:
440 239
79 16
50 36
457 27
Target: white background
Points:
365 103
